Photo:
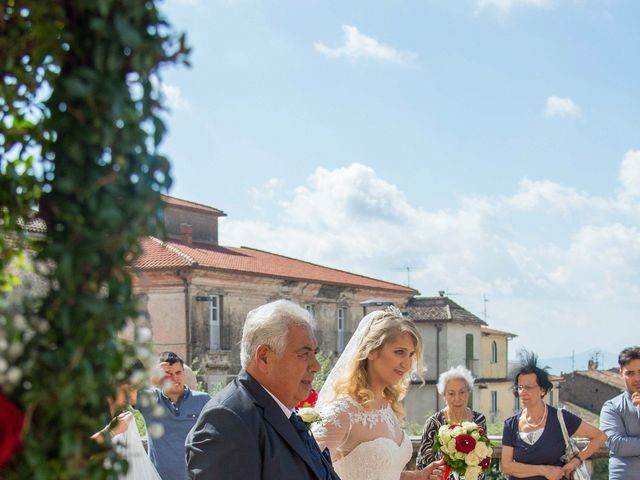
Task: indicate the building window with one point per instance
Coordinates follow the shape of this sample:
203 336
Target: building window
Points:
310 309
341 320
469 351
215 320
494 405
494 352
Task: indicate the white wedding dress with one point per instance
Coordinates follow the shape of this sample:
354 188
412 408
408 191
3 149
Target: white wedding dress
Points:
129 445
363 444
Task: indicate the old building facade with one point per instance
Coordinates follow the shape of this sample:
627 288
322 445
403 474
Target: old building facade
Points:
451 337
495 394
589 389
197 293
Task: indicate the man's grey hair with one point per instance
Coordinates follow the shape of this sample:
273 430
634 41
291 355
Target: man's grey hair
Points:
455 373
269 325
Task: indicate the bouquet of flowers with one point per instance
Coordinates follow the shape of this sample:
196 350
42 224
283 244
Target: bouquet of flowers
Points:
466 449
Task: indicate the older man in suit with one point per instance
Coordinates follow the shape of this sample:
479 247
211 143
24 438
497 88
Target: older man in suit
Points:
250 430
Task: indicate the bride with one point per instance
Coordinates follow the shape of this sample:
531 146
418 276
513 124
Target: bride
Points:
360 405
123 434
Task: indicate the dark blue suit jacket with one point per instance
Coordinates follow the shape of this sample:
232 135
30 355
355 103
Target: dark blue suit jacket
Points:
242 433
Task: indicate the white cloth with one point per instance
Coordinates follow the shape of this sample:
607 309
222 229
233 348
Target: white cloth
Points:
363 444
129 445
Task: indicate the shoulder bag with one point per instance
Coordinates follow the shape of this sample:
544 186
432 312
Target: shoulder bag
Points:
571 450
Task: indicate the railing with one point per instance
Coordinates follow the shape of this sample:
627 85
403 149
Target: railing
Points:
600 456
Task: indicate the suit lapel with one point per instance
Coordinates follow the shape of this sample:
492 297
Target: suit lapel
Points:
274 415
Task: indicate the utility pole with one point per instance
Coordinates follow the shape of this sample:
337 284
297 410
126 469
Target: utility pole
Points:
408 276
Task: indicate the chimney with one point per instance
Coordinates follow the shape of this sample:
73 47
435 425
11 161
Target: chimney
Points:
185 233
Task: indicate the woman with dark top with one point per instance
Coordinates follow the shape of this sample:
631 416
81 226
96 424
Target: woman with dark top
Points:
532 440
454 385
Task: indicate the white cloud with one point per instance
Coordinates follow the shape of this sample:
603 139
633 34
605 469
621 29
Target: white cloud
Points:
351 218
561 107
506 5
357 45
630 175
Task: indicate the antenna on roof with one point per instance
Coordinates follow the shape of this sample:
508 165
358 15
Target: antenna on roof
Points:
408 269
485 300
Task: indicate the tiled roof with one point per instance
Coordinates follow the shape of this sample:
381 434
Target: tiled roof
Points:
605 376
493 331
439 309
178 202
159 255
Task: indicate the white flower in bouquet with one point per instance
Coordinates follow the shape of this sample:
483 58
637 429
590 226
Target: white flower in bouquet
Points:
482 450
472 459
472 473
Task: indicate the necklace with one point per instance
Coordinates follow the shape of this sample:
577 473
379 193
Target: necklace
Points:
535 425
452 420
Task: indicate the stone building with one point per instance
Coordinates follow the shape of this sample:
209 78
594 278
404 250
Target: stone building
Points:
198 293
589 389
451 336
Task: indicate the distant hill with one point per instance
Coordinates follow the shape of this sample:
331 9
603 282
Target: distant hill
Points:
580 361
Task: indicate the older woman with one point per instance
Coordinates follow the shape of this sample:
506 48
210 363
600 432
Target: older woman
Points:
532 440
454 385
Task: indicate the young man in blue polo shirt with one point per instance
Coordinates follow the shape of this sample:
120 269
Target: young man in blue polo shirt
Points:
620 420
169 412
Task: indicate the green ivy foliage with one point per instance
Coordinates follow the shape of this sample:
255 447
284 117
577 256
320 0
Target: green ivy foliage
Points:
80 130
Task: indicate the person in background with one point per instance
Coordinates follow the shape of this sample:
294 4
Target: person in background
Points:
123 432
170 412
620 420
532 440
454 385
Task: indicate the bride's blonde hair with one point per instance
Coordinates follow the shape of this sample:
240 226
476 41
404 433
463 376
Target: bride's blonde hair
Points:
386 327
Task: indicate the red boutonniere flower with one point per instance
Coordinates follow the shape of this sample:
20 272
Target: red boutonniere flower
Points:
310 401
11 424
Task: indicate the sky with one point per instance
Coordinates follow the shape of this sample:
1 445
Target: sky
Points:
487 148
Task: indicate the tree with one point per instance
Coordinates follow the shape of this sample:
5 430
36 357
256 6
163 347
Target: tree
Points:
79 148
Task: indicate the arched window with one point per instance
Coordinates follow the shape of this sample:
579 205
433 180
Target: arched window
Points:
494 352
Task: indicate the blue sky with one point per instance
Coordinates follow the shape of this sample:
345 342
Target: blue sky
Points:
493 146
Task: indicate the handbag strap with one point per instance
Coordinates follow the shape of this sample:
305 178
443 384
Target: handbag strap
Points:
563 426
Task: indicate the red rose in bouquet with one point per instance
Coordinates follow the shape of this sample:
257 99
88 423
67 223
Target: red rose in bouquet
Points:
465 443
11 424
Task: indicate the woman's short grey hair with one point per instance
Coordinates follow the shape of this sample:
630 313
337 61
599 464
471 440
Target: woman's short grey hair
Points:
269 325
455 373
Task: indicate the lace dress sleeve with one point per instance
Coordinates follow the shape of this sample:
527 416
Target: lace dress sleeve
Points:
333 428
